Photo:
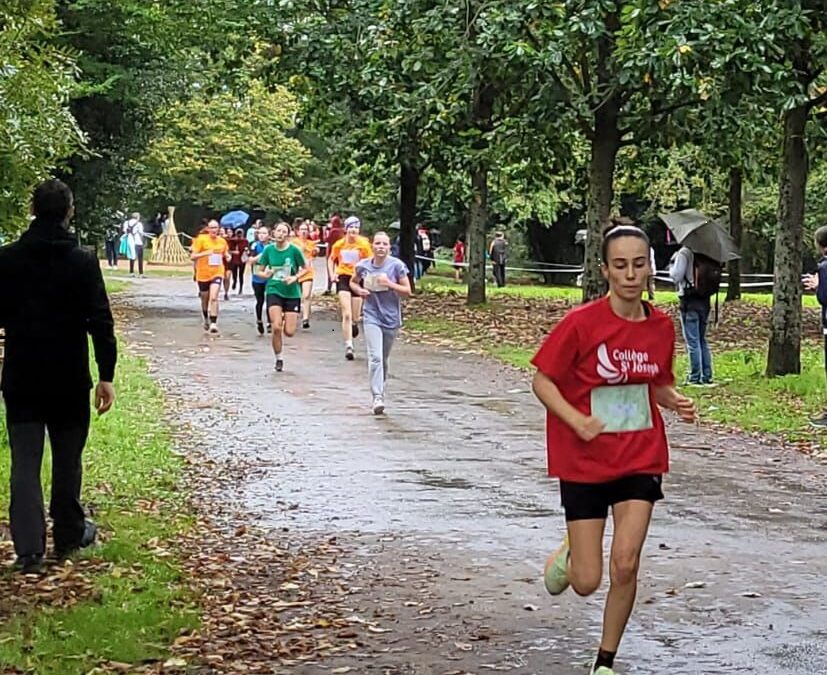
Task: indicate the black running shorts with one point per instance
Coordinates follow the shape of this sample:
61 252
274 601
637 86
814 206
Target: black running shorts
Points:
586 501
286 304
343 284
204 286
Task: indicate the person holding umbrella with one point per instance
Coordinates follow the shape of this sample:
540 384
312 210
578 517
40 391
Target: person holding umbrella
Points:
696 270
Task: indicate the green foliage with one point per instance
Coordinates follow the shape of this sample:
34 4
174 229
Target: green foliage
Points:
227 150
37 130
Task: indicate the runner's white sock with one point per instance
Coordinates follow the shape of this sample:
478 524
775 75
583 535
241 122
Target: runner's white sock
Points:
278 356
349 343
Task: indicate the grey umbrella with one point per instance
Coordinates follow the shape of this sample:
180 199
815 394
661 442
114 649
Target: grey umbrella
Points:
701 234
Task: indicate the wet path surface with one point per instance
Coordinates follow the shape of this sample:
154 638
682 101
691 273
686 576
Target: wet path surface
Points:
448 514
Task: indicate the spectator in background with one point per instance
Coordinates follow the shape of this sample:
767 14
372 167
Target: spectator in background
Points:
46 377
653 267
252 231
498 252
459 257
111 239
133 229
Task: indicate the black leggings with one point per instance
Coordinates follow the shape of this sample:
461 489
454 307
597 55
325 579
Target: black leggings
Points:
258 289
238 276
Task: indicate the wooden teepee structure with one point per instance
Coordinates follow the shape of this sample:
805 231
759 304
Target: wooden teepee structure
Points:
167 248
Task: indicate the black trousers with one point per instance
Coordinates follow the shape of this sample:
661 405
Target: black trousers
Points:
259 289
139 256
499 274
112 252
68 430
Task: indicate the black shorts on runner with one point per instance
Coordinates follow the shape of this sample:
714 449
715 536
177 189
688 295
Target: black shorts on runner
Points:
343 285
286 304
204 286
587 501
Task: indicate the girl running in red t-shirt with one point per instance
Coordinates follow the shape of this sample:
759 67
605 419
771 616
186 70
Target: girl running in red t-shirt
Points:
602 374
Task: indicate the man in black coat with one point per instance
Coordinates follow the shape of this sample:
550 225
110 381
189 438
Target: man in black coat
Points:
58 298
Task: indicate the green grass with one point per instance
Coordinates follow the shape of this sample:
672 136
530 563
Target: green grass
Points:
140 604
113 286
744 398
438 284
150 271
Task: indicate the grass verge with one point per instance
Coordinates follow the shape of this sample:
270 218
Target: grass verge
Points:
131 601
744 398
438 284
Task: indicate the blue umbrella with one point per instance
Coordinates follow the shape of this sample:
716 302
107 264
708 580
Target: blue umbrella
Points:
235 218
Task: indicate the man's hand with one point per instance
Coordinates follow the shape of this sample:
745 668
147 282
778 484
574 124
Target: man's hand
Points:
588 428
810 282
362 292
104 397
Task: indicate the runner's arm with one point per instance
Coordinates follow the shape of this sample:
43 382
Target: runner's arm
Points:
546 391
668 397
331 266
403 286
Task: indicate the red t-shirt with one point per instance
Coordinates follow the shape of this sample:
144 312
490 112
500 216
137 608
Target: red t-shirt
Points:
593 347
459 252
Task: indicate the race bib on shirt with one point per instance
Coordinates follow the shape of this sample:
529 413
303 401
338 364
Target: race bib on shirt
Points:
373 284
623 407
350 256
215 259
283 272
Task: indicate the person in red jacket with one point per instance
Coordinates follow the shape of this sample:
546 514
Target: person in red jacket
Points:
459 257
603 374
334 231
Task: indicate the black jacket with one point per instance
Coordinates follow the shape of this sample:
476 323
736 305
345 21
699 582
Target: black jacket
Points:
51 296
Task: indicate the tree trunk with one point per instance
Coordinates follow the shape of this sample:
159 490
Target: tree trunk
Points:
784 354
736 229
483 112
408 188
605 146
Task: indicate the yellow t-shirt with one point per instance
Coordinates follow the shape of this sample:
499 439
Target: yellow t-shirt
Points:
210 266
348 255
308 248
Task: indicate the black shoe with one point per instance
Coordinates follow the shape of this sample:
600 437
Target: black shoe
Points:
819 422
90 534
279 365
260 327
305 324
349 353
269 328
355 329
29 564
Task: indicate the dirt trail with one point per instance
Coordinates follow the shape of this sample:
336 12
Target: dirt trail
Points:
447 514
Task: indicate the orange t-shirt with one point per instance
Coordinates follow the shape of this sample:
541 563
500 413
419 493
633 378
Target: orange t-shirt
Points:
348 255
308 248
210 266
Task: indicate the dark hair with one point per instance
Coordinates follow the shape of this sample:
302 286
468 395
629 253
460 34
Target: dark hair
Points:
620 226
52 199
821 236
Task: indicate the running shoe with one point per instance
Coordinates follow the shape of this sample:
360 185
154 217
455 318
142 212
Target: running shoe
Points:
378 405
603 670
29 564
349 353
279 365
213 329
355 330
269 329
555 574
819 422
260 327
305 324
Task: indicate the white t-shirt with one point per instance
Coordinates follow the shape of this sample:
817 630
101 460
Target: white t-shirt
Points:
135 230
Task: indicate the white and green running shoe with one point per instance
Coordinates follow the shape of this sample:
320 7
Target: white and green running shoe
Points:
603 670
555 575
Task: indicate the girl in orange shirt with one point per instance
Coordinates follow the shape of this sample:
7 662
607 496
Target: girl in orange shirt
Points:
344 255
308 248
